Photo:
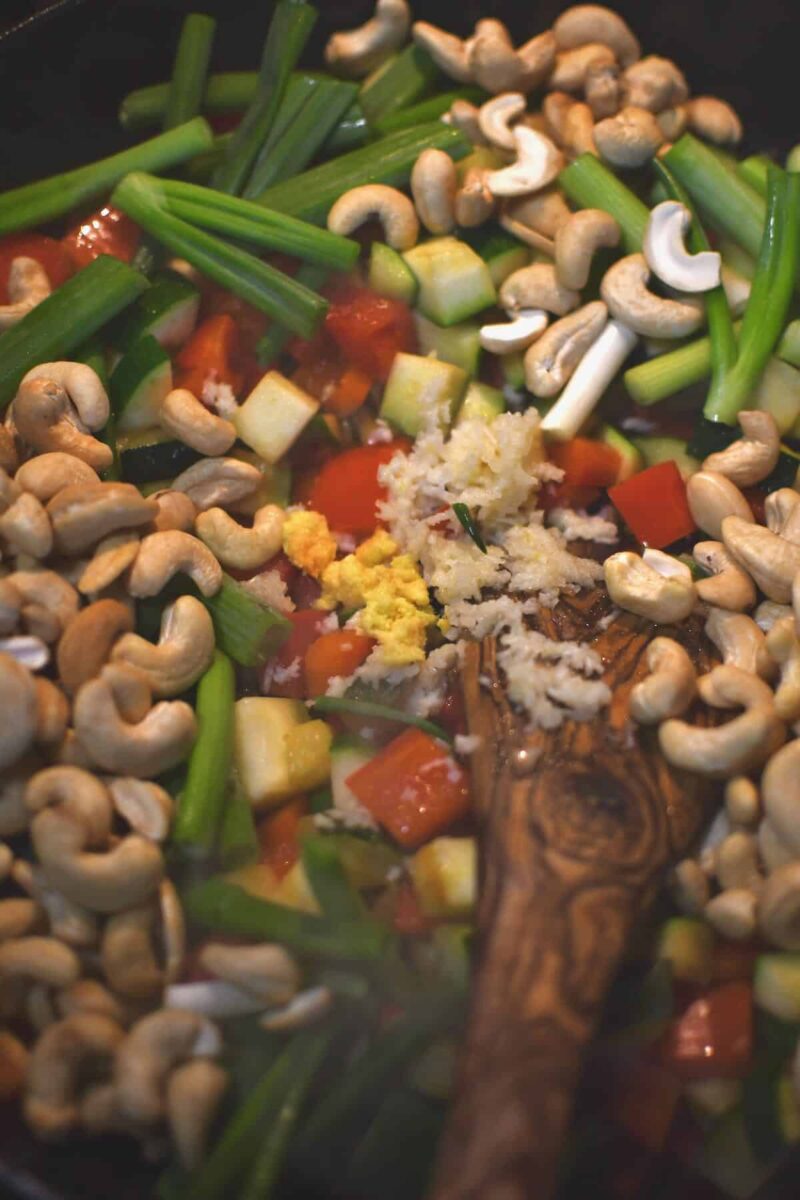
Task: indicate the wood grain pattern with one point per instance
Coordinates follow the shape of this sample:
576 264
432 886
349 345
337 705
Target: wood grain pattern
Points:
571 850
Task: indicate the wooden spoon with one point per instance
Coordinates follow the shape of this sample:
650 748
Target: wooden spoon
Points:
576 828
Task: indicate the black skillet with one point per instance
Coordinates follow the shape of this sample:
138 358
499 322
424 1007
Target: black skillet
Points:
65 67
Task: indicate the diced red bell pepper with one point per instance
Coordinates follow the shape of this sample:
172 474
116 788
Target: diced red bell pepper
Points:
642 1099
346 491
713 1037
283 675
336 653
653 504
567 495
107 231
209 356
278 835
49 253
413 787
586 463
408 917
370 329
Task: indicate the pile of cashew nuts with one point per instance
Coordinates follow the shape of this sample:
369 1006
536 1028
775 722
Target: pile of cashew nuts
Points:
97 1030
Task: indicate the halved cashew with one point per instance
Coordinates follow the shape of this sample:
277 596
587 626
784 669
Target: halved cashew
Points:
39 960
218 481
434 183
188 419
111 558
238 546
48 473
265 971
19 917
582 23
18 706
25 527
78 795
128 955
714 120
69 922
624 289
552 359
740 642
82 515
146 806
184 651
728 586
639 588
194 1093
733 913
514 335
669 689
86 645
497 115
28 285
64 1055
779 907
589 381
89 996
537 286
576 242
83 386
358 51
666 254
465 116
44 419
655 83
474 202
782 513
144 749
154 1046
535 219
673 121
604 90
736 747
630 138
449 52
572 66
376 202
712 498
52 713
752 457
538 162
176 510
163 555
742 801
784 647
766 556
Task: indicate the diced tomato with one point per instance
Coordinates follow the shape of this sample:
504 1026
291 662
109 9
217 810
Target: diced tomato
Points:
107 231
586 463
49 253
713 1037
654 506
370 329
408 918
733 960
250 324
643 1098
413 787
349 392
283 675
336 653
346 490
209 356
567 495
278 835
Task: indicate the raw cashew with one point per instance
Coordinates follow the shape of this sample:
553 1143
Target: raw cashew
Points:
583 23
740 642
751 458
712 498
194 1092
82 515
357 52
733 913
714 120
19 917
728 586
13 1065
496 117
9 458
89 996
176 510
186 418
18 706
376 202
61 1058
630 138
474 202
184 651
449 52
69 922
736 861
668 257
782 513
624 289
464 115
576 242
11 601
86 645
146 806
494 63
551 359
779 907
655 83
238 546
222 481
49 602
27 286
78 795
163 555
111 558
45 420
772 562
572 66
127 953
673 121
578 135
47 474
14 815
153 1048
690 887
780 793
669 689
604 90
265 971
768 613
83 386
52 712
25 527
638 588
537 286
538 162
39 960
784 647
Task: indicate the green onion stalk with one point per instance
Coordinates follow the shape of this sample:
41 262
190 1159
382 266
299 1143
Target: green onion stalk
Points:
190 71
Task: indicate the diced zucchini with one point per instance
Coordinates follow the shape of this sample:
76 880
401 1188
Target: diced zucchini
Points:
367 861
513 368
776 985
390 276
770 1111
655 450
261 724
713 1097
481 403
274 415
778 392
294 891
687 944
433 1073
152 456
454 282
347 755
167 311
727 1159
139 384
420 388
460 344
308 749
257 879
631 455
445 875
501 251
275 486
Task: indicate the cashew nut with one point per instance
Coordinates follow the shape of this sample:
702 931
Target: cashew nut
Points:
714 120
603 90
542 214
733 913
304 1009
474 201
47 474
624 289
19 917
768 613
175 511
784 647
536 58
779 907
496 117
572 66
584 23
589 381
64 1054
10 606
45 420
537 286
127 953
576 242
655 83
538 162
49 602
740 642
237 546
464 116
712 498
265 971
669 689
551 360
782 513
222 481
494 63
630 138
18 706
768 558
376 202
673 121
449 52
153 1048
89 996
83 386
194 1092
14 814
69 922
736 747
9 458
28 285
690 887
52 712
752 457
728 586
38 959
83 515
514 335
357 52
186 418
736 861
184 651
146 806
160 740
86 645
667 257
434 183
25 526
13 1065
639 588
111 558
775 852
162 555
781 797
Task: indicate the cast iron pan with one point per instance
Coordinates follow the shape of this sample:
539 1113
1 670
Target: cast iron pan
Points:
64 71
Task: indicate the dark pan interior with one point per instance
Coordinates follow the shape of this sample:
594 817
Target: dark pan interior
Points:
63 74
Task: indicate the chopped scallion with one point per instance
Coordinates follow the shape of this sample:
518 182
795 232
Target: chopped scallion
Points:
189 73
377 712
467 521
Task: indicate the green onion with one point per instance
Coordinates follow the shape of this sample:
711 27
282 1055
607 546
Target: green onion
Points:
238 837
788 347
93 353
252 223
227 92
203 798
334 893
389 160
397 83
298 90
793 159
277 337
378 712
70 315
663 376
266 289
467 521
724 199
427 110
246 630
289 29
35 203
226 908
590 184
753 170
190 71
352 131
